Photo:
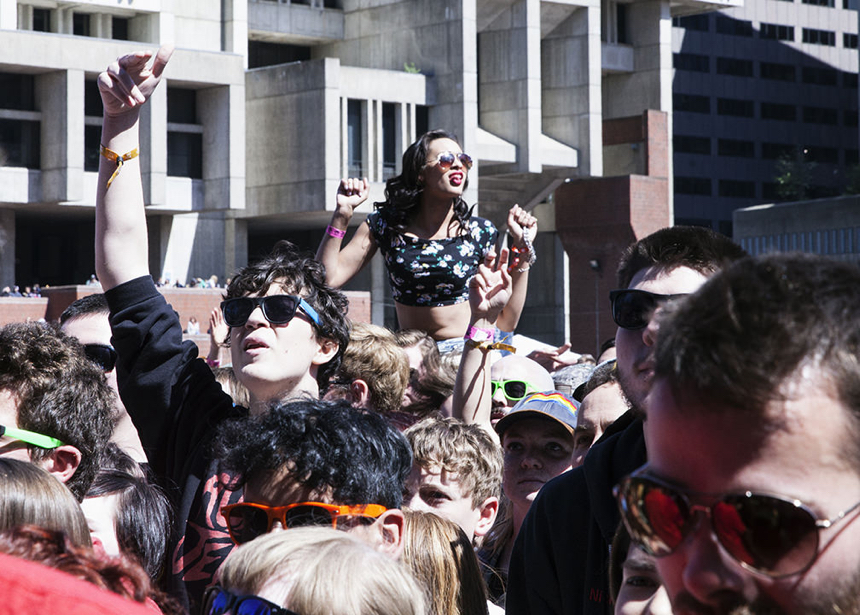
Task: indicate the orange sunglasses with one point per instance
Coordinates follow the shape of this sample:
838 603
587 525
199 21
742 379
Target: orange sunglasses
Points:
246 521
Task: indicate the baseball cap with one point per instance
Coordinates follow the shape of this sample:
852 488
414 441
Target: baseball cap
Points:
550 404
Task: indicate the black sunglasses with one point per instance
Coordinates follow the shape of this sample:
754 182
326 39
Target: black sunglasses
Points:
217 601
446 159
767 534
632 309
277 309
102 355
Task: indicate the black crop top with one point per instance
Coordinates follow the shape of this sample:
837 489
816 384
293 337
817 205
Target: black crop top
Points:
432 272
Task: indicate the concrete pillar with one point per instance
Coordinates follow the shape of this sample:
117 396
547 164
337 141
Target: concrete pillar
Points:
510 81
236 28
153 147
222 112
60 97
14 15
377 290
235 245
7 247
572 113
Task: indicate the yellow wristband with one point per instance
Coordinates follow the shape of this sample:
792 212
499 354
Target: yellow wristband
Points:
117 158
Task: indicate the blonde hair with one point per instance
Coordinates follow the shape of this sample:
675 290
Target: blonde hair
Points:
440 555
31 496
467 450
374 356
226 377
329 572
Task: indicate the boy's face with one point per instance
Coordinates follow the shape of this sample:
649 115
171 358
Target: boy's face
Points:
277 360
435 490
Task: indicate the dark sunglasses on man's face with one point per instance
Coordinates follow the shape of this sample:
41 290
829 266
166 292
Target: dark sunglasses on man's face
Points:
632 308
218 601
446 160
767 534
102 355
277 309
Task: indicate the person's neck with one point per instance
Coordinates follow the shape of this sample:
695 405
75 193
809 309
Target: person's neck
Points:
434 217
307 387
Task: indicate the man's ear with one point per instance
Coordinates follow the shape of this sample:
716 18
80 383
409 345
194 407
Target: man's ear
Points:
326 351
390 527
359 393
489 509
63 462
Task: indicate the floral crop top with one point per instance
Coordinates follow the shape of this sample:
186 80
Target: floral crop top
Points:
432 272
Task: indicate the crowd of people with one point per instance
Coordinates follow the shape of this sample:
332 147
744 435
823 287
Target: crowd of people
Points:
704 462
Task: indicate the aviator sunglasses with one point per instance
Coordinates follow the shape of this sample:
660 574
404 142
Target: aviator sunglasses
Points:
632 309
217 601
278 309
767 534
514 390
102 355
446 159
246 521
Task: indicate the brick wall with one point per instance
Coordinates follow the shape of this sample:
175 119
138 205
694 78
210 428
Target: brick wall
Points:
597 218
188 302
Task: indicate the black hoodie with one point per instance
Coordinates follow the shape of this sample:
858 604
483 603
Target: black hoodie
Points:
560 560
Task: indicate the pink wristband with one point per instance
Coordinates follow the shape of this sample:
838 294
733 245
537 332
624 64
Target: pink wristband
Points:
335 232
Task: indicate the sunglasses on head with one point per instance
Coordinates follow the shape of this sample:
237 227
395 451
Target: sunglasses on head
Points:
277 309
30 437
102 355
217 601
446 160
766 534
246 521
514 390
632 309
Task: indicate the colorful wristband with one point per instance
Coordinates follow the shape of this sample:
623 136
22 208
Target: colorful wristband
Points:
479 335
334 232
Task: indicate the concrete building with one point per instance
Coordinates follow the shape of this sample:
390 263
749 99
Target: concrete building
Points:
269 103
753 83
829 227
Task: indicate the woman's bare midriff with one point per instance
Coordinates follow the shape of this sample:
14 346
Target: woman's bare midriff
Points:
441 323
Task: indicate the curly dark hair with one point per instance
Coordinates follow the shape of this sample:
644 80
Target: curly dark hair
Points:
299 273
60 393
325 445
403 192
696 247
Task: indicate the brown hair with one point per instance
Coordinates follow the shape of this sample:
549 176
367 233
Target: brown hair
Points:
440 555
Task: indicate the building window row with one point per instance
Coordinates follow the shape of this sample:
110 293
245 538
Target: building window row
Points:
734 27
776 32
819 76
830 3
734 66
737 148
700 22
819 37
691 62
849 41
827 241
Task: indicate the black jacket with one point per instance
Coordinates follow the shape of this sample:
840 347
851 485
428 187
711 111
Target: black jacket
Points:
176 405
560 560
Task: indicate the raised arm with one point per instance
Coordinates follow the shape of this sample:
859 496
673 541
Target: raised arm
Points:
343 262
489 291
520 223
121 239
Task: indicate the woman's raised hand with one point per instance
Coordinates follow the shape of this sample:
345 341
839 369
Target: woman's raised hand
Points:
351 193
519 219
129 82
490 288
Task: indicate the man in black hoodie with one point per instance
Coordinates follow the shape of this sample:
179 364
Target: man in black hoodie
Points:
560 560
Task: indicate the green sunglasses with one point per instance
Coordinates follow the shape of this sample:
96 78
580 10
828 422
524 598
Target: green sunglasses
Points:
30 437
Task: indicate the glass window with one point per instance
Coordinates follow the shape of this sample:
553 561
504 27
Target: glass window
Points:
20 143
777 111
735 148
693 103
734 66
355 139
735 107
692 62
684 144
185 154
389 140
695 186
735 189
777 72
